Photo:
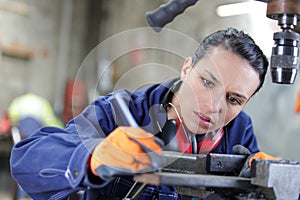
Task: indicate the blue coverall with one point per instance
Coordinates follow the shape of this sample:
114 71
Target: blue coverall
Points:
53 162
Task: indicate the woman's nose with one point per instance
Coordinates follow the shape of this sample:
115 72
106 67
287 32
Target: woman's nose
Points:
216 104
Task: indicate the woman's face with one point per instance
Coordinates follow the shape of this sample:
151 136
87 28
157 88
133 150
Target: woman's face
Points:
215 90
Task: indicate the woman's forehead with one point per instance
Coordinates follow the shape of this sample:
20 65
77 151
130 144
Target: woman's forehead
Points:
230 69
220 58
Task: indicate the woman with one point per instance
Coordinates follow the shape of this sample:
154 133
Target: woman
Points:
215 84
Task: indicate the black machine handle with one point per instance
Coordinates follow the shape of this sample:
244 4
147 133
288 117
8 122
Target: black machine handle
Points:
165 13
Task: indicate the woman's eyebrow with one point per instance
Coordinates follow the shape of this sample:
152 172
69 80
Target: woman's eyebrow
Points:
216 80
240 95
212 76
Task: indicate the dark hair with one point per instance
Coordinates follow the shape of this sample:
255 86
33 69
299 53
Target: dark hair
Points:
239 43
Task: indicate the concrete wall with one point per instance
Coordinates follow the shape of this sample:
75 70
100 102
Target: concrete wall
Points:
55 33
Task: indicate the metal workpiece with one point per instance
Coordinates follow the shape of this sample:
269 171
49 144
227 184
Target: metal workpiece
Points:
207 174
229 164
184 163
195 180
203 186
280 180
225 163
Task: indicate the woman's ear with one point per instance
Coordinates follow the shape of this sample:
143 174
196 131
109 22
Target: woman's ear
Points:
187 66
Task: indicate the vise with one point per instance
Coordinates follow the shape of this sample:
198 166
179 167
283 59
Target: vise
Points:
204 175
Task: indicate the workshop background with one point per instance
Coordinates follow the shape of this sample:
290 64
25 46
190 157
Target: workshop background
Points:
50 47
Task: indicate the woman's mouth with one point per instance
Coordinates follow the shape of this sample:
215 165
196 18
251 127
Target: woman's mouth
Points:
204 120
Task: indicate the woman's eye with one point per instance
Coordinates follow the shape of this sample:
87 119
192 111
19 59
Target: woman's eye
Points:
234 100
207 83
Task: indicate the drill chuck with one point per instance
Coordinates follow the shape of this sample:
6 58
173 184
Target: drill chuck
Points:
284 59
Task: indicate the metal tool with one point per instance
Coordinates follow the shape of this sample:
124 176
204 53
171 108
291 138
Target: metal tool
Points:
124 113
135 191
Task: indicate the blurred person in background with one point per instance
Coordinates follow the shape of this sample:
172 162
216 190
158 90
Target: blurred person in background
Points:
32 108
27 113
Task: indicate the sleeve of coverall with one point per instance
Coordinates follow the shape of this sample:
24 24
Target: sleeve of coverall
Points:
52 163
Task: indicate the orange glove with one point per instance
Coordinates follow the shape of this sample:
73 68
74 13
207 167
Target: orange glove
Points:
245 172
260 155
127 150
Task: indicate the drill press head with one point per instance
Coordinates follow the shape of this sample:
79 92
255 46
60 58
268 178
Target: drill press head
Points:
285 52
